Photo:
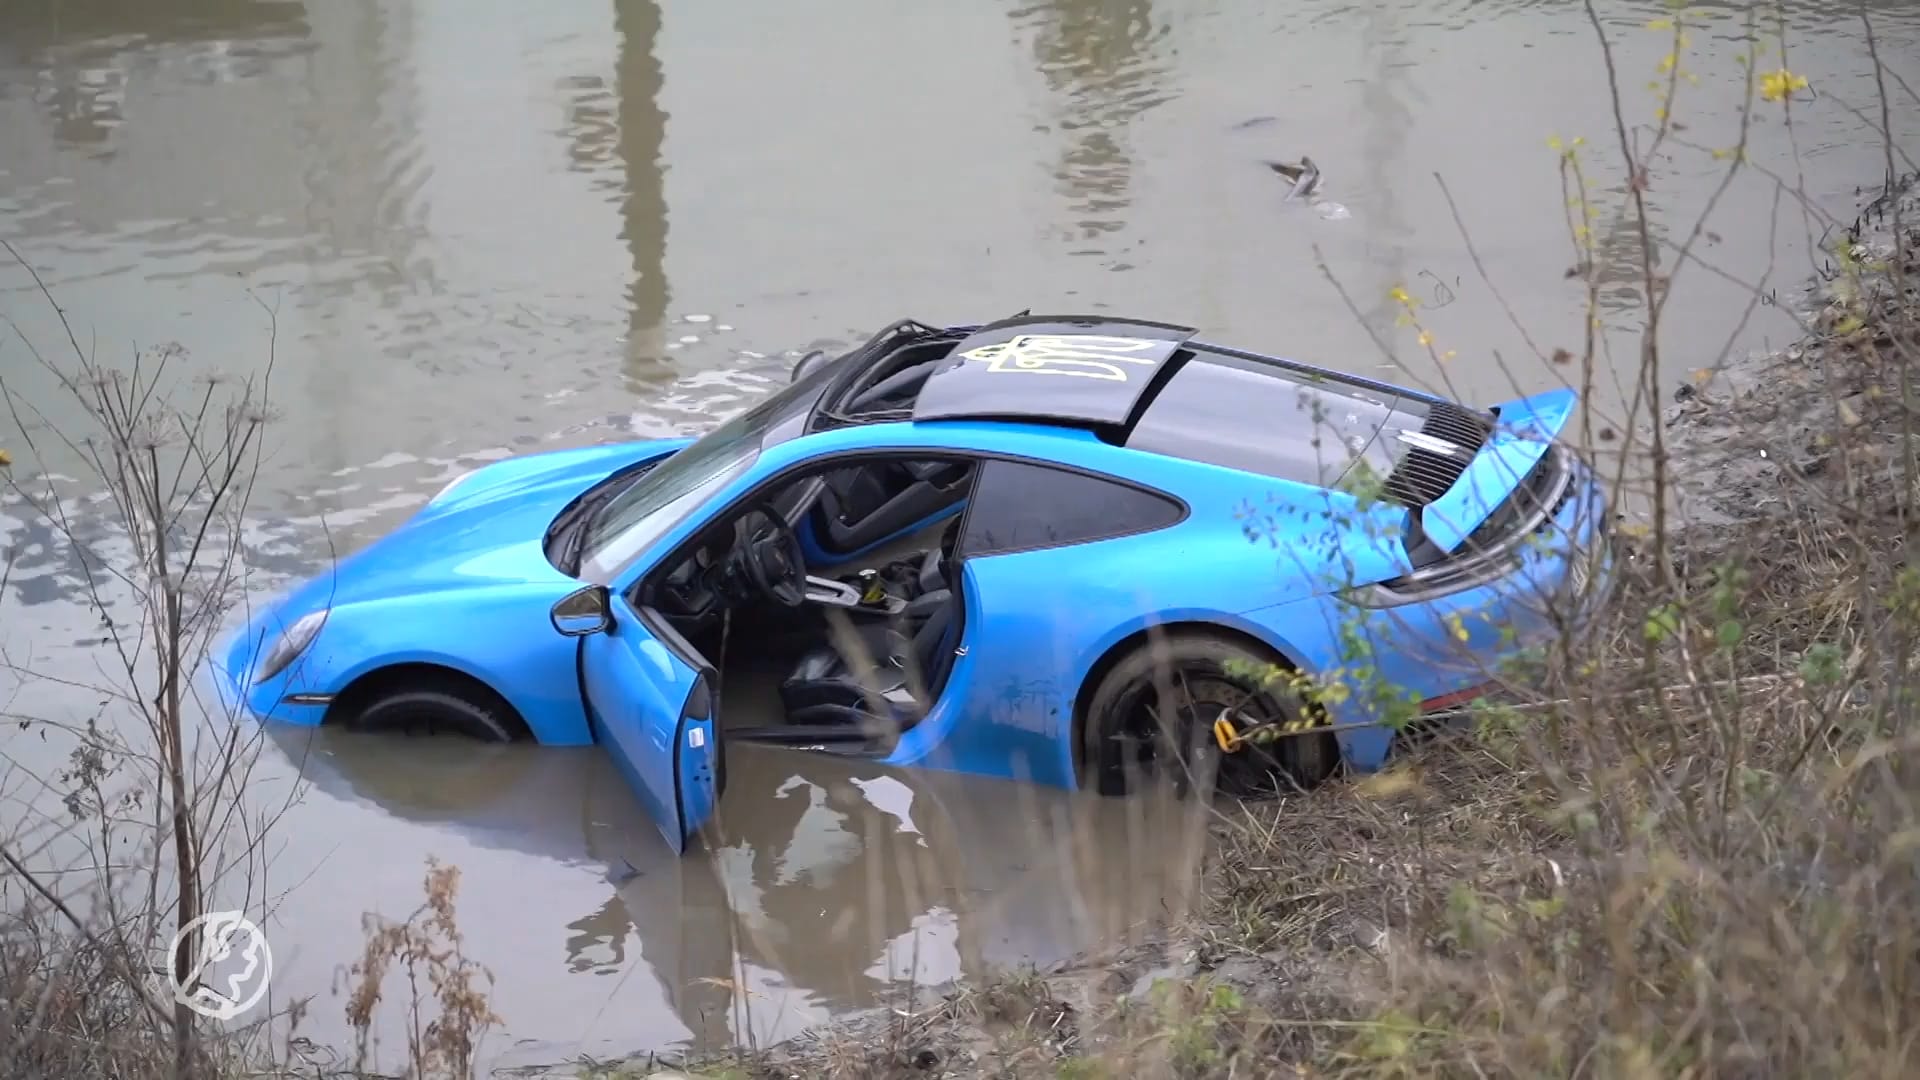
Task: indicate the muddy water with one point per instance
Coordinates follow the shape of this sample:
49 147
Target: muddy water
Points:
466 230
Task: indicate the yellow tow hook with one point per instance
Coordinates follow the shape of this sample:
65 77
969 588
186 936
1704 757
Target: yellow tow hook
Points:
1225 733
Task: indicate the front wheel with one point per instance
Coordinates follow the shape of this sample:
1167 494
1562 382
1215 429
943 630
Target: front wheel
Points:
434 712
1151 718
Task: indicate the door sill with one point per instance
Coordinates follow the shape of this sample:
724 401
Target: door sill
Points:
818 738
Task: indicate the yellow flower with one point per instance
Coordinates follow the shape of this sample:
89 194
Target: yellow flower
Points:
1426 337
1778 85
1660 24
6 459
1399 296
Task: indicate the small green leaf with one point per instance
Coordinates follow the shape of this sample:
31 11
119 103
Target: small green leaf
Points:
1822 665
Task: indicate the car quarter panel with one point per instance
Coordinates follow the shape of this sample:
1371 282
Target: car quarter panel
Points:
1427 650
1037 623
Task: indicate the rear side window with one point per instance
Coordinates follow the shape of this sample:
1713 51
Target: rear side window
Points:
1023 507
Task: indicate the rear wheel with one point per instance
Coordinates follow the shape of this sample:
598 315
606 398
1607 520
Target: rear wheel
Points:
1150 720
471 712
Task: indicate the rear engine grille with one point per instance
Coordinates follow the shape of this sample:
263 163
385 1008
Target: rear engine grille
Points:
1424 475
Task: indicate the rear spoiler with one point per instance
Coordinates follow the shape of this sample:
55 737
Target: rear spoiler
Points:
1523 432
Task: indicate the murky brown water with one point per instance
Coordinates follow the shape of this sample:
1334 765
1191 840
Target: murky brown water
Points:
484 228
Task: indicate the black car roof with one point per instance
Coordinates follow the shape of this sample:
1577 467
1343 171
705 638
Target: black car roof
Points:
1088 371
1081 369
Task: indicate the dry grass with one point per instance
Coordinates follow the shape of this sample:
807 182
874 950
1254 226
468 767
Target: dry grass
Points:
68 1009
426 950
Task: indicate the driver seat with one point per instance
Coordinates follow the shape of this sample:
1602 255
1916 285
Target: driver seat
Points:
896 672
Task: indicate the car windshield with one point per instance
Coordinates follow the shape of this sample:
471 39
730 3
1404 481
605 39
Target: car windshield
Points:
662 497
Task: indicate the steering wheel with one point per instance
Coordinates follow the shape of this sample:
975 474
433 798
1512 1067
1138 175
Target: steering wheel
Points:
773 559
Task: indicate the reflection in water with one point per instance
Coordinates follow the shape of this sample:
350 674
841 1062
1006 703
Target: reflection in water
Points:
361 182
836 884
1100 55
643 210
29 25
593 123
84 54
1387 124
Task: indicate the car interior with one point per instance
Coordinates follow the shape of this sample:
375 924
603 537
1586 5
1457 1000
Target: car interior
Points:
814 648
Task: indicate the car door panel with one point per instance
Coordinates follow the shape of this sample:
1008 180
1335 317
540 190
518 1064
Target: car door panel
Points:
1010 722
1052 568
654 711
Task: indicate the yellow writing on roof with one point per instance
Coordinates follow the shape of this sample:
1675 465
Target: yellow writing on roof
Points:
1084 356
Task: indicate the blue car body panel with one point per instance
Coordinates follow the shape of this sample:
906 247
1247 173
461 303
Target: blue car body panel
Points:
637 691
461 585
464 585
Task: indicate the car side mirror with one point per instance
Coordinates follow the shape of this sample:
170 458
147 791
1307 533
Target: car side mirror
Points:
807 363
583 611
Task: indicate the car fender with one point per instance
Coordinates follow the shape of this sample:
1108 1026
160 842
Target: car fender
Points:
1317 646
500 637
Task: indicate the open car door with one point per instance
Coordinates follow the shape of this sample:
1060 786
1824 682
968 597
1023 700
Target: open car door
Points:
651 700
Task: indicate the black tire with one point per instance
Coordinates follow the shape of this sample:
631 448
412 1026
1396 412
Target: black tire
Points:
1123 743
483 717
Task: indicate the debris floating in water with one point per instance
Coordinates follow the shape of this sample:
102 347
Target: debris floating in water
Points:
1305 176
698 318
689 339
1305 180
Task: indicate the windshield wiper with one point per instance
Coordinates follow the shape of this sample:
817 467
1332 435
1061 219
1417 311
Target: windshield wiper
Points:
571 528
582 522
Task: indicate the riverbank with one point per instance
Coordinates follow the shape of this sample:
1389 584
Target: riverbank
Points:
1682 864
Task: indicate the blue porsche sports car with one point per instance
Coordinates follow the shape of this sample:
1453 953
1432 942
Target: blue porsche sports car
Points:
1055 549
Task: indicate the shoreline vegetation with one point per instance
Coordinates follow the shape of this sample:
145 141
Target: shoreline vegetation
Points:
1692 850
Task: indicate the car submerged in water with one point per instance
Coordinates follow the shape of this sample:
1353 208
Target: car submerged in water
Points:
1066 550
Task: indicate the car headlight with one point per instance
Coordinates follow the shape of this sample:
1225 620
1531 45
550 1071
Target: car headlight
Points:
293 641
